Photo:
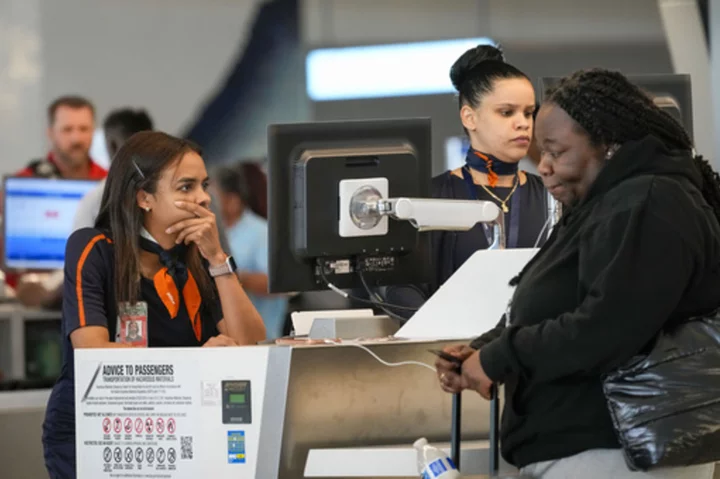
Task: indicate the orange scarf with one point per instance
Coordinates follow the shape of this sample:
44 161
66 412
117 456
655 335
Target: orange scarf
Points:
167 287
492 176
168 292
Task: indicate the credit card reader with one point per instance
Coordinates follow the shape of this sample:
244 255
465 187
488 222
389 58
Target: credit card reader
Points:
236 402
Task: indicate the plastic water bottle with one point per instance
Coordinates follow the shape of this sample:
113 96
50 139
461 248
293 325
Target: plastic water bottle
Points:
434 463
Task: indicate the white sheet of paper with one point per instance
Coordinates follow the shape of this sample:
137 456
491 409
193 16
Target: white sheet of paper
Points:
472 300
302 320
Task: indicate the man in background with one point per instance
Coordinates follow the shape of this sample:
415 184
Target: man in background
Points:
71 135
248 237
71 124
119 125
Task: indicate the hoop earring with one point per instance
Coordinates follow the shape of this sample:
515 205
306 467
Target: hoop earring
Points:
611 151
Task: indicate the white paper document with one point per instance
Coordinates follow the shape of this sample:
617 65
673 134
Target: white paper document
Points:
472 300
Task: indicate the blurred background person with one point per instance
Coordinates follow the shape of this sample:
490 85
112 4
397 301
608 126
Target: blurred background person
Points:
247 234
256 181
119 125
71 124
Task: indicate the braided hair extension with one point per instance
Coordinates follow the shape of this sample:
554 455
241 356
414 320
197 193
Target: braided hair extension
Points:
612 110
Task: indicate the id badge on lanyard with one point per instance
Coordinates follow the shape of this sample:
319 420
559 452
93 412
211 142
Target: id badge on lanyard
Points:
132 324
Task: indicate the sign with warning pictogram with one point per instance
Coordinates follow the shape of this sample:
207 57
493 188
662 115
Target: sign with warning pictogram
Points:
136 409
165 413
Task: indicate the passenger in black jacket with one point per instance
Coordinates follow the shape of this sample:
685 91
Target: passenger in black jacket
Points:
637 248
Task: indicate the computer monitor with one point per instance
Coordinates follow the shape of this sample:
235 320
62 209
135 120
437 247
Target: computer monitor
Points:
38 219
672 92
313 170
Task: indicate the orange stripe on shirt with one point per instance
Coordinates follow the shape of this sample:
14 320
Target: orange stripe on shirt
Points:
78 277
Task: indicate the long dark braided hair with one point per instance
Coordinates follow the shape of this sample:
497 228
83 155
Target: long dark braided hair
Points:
612 111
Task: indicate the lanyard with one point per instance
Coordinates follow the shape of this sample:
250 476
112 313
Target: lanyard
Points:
514 220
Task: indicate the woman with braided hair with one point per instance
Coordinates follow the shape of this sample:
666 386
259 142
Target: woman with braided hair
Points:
638 248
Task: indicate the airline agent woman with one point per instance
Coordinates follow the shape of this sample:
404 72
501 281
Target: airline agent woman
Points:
497 105
153 258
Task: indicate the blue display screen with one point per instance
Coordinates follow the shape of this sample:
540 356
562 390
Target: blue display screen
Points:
38 219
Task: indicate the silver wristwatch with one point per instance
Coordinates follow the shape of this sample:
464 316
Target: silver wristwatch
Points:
228 267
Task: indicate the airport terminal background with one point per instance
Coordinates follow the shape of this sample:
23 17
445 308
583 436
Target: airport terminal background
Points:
219 72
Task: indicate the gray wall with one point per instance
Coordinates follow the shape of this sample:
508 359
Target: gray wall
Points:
542 37
528 22
165 55
170 55
536 62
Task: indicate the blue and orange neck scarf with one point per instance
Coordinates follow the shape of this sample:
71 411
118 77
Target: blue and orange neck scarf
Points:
173 277
490 165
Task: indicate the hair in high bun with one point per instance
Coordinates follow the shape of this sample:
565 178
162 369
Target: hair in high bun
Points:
474 73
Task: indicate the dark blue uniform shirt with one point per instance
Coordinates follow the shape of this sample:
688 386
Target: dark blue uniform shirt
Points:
89 300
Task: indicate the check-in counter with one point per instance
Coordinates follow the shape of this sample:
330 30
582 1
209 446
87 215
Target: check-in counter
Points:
330 402
348 413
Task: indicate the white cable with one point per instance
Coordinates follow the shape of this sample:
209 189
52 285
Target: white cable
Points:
539 237
392 365
337 290
551 207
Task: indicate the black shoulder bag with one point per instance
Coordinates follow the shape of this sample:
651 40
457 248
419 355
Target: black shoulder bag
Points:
665 405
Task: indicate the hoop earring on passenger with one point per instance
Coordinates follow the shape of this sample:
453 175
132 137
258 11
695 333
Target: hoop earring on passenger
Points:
611 151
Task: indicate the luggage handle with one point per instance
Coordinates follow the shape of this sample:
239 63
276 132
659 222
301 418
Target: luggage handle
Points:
455 428
494 438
